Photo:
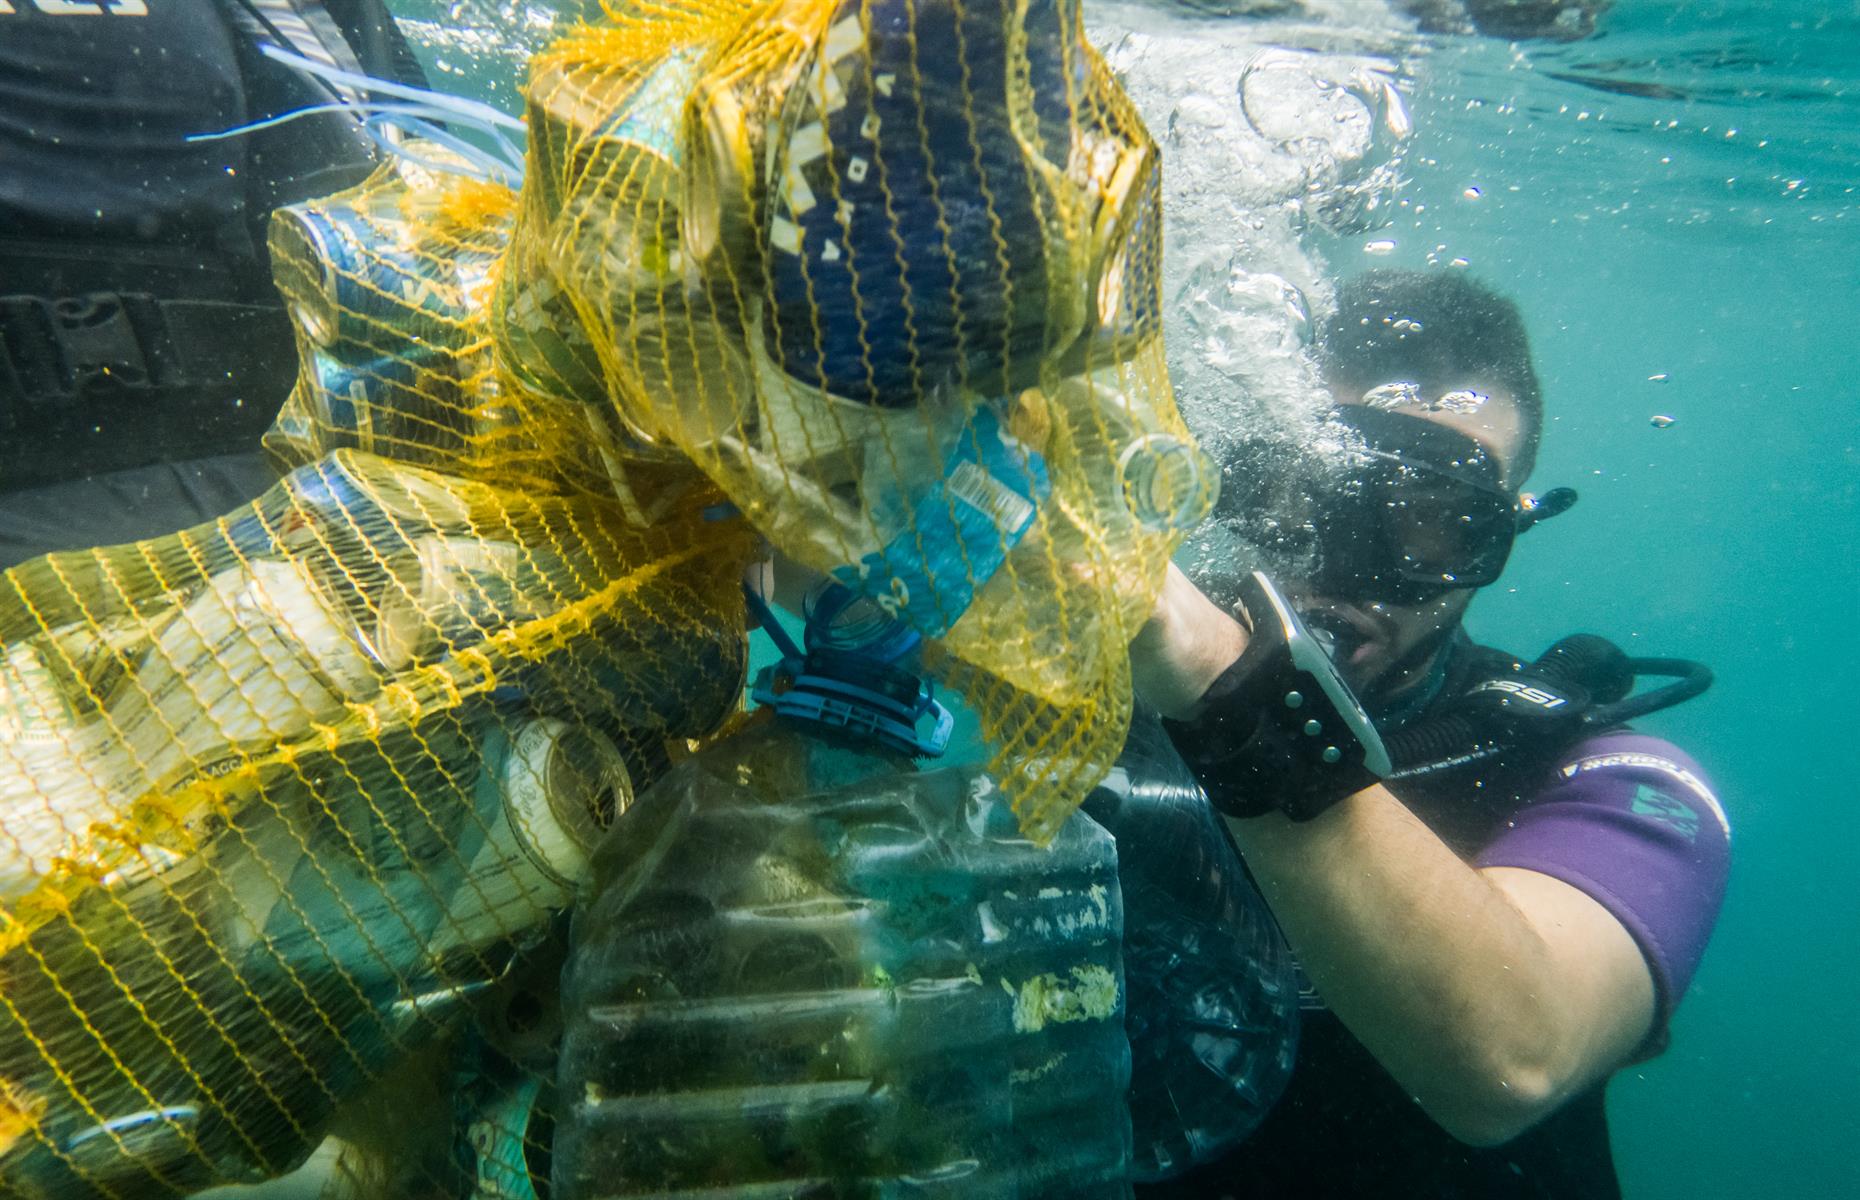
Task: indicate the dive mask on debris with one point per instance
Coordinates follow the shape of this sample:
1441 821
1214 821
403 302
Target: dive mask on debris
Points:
855 673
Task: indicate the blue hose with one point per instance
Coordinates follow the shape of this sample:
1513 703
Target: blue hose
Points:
419 111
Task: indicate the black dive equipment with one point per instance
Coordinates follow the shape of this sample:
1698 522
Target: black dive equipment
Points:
1416 509
103 380
1424 510
1581 686
1279 731
140 326
1211 992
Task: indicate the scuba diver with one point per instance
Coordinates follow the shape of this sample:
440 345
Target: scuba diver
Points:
1497 891
143 349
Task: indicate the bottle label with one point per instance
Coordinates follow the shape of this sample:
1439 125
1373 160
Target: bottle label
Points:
958 533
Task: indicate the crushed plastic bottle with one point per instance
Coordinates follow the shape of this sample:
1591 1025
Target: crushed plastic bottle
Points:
1212 1009
807 969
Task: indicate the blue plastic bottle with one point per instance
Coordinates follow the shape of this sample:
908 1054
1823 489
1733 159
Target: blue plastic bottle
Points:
807 969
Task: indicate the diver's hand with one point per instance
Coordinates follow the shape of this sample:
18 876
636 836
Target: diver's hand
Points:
1183 647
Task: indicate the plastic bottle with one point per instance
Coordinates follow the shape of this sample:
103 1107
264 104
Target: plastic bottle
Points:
1212 1010
601 216
270 830
146 680
807 969
276 972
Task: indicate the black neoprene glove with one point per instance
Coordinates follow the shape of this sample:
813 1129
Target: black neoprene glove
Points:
1279 730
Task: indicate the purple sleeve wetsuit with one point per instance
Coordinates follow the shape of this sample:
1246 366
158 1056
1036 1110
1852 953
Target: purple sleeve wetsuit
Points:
1627 819
1631 821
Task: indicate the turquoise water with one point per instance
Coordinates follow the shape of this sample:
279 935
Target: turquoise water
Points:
1701 223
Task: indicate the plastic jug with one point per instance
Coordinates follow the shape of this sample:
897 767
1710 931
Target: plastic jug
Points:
808 969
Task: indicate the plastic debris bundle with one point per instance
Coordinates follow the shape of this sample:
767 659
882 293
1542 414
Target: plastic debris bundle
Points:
284 791
288 795
886 272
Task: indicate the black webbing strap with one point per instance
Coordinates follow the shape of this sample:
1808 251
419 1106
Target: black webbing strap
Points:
103 381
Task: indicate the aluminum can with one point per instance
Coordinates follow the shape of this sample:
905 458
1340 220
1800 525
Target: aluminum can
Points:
909 243
388 318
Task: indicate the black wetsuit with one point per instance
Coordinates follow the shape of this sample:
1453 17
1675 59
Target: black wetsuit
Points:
143 349
1344 1128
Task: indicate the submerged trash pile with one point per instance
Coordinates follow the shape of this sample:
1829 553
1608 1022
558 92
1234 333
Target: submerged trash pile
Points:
297 802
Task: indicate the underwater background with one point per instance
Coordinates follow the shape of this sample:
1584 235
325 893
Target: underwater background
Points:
1675 204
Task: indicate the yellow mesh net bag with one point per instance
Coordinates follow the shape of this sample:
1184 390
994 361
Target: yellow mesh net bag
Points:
285 793
887 273
291 797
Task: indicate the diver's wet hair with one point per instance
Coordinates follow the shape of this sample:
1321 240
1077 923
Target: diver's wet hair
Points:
1437 329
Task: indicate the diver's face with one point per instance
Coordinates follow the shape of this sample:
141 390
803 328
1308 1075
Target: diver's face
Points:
1377 644
1380 645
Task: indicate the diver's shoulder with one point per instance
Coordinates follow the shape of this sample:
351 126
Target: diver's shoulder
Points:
1643 761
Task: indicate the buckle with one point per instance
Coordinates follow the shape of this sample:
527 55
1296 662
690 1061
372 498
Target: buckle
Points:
99 344
65 349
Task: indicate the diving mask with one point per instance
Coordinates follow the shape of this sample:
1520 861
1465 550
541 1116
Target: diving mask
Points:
1417 509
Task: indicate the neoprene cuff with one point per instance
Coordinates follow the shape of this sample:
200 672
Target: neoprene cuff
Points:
1277 730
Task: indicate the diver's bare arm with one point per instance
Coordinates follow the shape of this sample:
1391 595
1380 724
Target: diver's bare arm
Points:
1491 996
1186 644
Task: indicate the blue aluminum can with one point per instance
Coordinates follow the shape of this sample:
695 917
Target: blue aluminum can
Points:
385 321
907 244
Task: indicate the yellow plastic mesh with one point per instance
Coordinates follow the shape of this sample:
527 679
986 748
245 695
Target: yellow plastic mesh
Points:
284 793
888 274
284 789
287 796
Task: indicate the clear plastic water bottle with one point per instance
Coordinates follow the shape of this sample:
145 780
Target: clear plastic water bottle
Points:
1212 1009
808 969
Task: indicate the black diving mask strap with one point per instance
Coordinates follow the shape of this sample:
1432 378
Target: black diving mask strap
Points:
1534 507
